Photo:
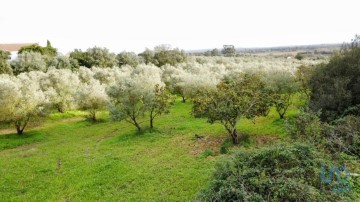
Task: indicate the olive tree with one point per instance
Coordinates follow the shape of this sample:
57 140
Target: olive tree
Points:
60 86
158 103
133 96
92 97
21 99
28 61
237 96
282 84
62 62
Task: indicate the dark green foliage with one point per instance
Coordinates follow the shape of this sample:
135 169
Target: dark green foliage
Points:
94 57
299 56
277 173
164 55
207 153
5 67
225 146
336 86
81 57
48 50
32 48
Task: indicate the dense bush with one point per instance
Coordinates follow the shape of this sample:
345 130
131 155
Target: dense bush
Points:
343 136
276 173
94 57
336 86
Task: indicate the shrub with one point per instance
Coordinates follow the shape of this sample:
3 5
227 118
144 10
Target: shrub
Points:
335 86
277 173
207 153
225 146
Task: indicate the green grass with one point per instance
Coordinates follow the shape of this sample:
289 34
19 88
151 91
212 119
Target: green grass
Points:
68 158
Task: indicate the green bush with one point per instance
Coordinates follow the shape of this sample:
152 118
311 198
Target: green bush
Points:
207 153
277 173
343 136
335 86
225 146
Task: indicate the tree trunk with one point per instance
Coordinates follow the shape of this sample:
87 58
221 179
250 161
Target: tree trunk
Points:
234 137
136 124
183 99
151 123
93 116
59 108
151 119
19 128
282 115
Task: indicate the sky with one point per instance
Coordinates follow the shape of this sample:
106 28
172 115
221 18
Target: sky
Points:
133 25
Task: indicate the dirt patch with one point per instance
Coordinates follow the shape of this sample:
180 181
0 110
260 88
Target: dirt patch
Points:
199 145
264 140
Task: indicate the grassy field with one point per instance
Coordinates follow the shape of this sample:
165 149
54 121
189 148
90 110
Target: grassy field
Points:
68 158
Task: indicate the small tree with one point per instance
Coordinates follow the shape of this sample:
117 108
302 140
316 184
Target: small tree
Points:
282 85
126 104
158 103
242 95
92 97
303 75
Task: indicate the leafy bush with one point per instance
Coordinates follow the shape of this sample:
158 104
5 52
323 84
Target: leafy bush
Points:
343 136
277 173
225 146
335 86
207 153
305 126
340 136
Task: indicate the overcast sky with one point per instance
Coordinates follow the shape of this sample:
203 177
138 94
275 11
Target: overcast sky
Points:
133 25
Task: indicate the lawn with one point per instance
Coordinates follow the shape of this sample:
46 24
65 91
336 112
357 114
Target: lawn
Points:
67 158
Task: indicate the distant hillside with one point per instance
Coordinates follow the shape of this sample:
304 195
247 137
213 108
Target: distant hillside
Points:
317 48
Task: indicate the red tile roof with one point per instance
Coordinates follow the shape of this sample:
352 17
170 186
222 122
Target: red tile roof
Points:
14 47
